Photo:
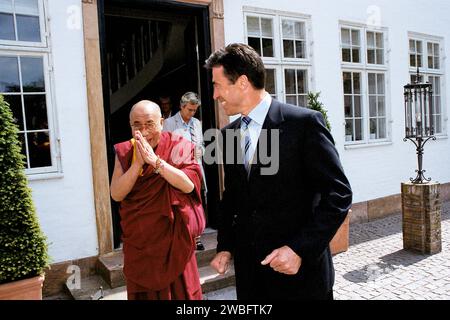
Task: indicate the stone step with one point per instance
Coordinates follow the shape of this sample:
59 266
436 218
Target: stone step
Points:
214 287
92 288
228 293
110 266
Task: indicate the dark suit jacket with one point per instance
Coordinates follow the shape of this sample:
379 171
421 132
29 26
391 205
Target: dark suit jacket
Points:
301 206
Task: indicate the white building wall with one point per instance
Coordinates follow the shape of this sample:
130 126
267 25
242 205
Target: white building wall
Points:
65 201
374 171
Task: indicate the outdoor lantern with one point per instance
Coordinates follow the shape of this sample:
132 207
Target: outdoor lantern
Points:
419 124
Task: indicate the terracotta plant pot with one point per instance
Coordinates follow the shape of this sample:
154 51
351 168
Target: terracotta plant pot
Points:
340 241
27 289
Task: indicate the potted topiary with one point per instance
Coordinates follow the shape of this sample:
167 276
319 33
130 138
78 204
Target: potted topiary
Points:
23 247
315 104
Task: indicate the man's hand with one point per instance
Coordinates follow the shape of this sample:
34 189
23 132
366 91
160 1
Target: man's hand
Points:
145 149
283 260
221 262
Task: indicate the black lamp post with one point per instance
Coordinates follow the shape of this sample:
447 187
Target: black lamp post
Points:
419 124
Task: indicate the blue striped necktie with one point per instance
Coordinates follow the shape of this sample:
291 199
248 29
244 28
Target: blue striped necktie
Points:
246 142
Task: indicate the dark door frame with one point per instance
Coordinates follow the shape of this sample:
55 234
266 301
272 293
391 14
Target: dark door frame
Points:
201 13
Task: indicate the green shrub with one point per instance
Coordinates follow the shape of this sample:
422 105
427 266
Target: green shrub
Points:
23 247
315 104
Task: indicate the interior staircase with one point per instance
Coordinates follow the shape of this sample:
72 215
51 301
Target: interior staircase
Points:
109 282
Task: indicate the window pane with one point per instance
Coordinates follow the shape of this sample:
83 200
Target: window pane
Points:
382 128
39 149
15 104
373 129
289 80
371 56
267 47
356 83
358 130
288 29
436 85
6 6
357 106
419 46
355 53
255 44
9 71
300 30
380 83
29 7
302 101
412 46
35 112
373 106
372 83
346 57
349 130
380 56
291 100
430 62
370 40
430 48
345 36
22 149
266 27
348 110
253 26
381 106
288 48
28 28
419 61
7 27
348 83
379 40
437 105
412 60
436 63
270 81
32 74
300 49
301 81
355 38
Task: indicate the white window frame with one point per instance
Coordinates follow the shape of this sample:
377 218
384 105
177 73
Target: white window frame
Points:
365 68
39 49
426 72
278 62
42 25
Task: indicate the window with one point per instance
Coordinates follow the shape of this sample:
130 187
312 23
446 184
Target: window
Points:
282 42
24 81
351 45
375 48
364 76
425 53
260 35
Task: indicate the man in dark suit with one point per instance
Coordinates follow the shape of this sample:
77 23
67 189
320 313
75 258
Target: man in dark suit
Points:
276 224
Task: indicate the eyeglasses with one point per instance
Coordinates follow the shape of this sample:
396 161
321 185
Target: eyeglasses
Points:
151 126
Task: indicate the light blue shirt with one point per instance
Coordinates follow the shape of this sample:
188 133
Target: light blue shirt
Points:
258 115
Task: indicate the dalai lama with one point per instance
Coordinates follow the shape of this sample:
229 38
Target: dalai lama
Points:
158 182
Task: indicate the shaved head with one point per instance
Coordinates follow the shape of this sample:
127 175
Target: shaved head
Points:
145 117
145 106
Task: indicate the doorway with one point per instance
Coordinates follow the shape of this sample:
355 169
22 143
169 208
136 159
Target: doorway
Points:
151 49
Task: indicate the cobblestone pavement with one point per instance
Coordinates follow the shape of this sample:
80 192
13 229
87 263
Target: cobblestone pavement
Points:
377 268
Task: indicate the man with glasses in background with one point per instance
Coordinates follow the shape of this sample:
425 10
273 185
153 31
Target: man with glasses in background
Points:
184 124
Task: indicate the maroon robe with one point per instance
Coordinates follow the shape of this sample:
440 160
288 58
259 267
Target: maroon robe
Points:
159 225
